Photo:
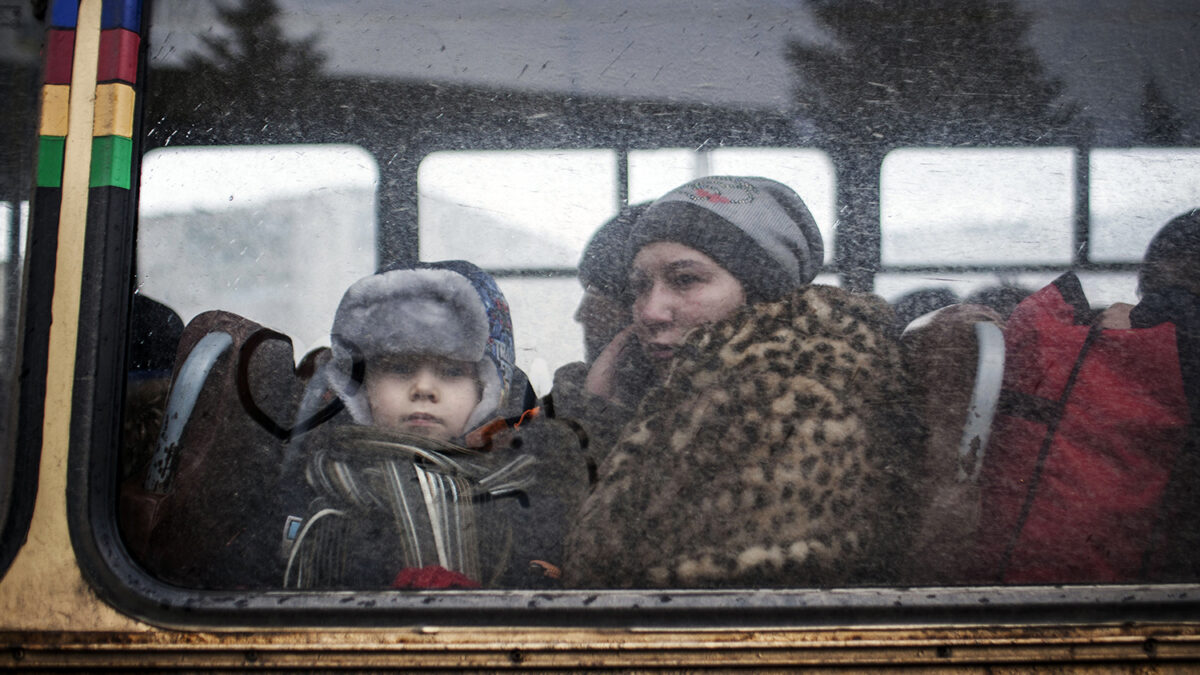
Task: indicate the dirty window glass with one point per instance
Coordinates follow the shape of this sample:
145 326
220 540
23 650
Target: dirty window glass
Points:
1134 189
644 295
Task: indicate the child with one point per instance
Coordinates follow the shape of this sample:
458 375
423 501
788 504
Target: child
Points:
420 357
447 319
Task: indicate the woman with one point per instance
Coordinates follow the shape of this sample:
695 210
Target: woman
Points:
761 449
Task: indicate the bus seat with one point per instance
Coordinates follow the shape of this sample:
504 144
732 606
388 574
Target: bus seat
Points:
202 515
955 357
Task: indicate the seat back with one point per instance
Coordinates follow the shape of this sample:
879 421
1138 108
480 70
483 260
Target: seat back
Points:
203 513
955 356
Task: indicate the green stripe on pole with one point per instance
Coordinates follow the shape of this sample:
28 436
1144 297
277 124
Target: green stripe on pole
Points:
111 161
50 161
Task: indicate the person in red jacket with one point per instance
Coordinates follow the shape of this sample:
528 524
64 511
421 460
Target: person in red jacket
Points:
1091 474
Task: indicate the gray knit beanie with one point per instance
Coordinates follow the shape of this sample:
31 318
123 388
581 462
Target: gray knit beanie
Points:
758 229
604 265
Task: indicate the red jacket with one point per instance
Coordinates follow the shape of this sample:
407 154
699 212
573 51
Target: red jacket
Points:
1089 429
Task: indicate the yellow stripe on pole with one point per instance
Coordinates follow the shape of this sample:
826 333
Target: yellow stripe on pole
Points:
114 110
55 103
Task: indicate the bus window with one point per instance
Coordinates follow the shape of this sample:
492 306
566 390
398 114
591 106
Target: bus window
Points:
995 207
291 149
1134 191
964 207
14 218
233 228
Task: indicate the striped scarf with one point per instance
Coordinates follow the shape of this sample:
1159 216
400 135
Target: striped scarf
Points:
430 491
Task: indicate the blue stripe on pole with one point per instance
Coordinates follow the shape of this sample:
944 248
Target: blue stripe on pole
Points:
125 14
64 13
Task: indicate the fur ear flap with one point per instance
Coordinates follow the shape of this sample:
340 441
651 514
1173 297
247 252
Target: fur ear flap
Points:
489 400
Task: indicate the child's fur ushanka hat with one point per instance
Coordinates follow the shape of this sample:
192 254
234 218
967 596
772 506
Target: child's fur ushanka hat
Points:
451 309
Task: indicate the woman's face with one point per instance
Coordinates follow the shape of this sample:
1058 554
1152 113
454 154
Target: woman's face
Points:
677 288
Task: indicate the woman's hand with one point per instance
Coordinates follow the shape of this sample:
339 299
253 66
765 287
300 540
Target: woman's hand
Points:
602 377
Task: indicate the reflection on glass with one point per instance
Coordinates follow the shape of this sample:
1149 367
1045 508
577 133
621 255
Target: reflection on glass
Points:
919 143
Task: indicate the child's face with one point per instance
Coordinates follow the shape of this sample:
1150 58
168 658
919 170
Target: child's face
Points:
431 396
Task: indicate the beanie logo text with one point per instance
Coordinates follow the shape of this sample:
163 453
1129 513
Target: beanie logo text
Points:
711 196
720 191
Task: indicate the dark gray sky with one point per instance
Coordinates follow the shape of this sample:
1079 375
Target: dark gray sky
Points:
727 52
1104 50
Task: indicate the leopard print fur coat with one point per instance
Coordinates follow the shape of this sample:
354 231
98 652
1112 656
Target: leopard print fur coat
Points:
770 455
